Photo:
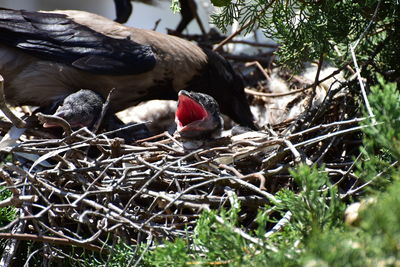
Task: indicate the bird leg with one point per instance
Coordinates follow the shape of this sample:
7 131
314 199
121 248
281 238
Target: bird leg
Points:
193 8
123 9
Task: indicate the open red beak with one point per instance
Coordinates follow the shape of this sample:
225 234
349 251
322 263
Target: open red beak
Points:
188 111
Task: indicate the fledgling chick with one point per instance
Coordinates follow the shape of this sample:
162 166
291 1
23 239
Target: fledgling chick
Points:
83 109
80 109
197 116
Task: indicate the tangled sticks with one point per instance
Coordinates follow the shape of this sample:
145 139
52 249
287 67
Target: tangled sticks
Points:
82 189
151 187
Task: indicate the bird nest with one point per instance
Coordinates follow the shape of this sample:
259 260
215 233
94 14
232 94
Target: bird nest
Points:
79 189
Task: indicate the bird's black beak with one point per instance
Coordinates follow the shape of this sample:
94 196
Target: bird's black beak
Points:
237 108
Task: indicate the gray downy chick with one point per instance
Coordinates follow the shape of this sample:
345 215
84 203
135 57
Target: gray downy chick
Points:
197 116
83 108
80 109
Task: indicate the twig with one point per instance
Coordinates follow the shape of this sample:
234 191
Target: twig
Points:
3 107
353 191
17 201
11 246
275 46
156 24
53 240
230 37
310 86
368 26
44 118
358 71
262 59
104 110
277 227
258 65
193 9
252 187
360 81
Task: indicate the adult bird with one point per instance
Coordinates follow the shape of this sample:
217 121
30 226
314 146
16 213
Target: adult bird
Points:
45 56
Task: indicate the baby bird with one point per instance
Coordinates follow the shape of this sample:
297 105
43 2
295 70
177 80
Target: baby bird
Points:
83 108
197 116
80 109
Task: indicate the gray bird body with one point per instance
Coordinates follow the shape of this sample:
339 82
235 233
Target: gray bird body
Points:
71 50
83 109
80 109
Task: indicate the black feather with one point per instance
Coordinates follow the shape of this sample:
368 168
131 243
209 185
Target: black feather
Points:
56 37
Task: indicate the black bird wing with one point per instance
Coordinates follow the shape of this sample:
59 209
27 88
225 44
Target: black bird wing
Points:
58 38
